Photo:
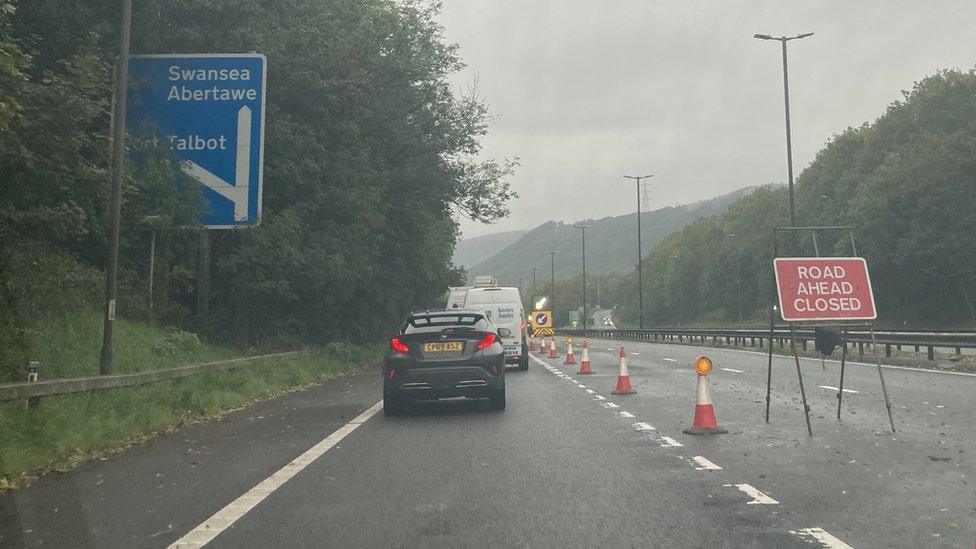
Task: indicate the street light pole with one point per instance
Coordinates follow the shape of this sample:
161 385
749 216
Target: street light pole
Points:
118 152
786 95
520 279
582 229
640 277
534 269
552 296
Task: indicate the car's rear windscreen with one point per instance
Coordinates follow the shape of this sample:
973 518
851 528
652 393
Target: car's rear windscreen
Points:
440 323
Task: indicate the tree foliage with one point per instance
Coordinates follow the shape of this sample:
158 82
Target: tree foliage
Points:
370 156
906 183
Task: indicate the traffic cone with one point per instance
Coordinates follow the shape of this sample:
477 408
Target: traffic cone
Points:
570 357
585 365
542 348
704 423
531 344
623 380
552 348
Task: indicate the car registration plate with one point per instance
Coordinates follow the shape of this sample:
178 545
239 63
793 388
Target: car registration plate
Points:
511 351
442 346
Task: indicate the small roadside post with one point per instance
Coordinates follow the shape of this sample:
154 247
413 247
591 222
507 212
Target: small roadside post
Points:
33 368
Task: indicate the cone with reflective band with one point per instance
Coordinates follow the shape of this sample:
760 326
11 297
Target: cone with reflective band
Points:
585 364
704 423
570 357
552 348
542 348
531 344
623 380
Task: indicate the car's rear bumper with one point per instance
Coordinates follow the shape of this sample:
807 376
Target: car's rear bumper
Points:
441 381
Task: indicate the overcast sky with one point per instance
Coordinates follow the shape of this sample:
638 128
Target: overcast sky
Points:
585 90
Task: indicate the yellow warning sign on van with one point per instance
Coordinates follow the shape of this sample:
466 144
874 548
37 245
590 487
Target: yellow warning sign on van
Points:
542 323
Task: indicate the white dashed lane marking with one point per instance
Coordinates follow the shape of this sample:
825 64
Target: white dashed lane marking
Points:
671 443
758 498
670 360
626 414
703 464
731 370
834 389
821 536
610 405
591 391
643 426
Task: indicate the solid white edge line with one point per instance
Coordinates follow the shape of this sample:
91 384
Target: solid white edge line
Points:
703 464
222 519
822 536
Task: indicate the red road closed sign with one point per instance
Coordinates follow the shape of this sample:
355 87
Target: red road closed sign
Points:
824 288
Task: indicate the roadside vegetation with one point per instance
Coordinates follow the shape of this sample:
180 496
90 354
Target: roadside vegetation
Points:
63 431
906 183
369 156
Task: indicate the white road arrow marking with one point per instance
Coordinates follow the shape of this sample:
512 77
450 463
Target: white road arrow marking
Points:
236 193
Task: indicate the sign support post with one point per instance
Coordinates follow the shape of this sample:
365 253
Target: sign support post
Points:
822 292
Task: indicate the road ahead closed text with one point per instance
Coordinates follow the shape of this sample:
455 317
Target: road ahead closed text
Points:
828 288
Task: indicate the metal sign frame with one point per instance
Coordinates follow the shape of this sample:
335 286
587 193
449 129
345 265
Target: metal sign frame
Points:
843 325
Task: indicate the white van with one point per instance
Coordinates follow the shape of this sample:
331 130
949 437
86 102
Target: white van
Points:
503 307
455 297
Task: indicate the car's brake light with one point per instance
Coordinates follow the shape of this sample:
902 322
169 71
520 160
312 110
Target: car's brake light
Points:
488 340
400 346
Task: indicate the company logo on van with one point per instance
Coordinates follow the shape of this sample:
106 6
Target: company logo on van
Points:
505 312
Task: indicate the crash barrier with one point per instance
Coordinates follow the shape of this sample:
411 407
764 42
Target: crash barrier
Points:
33 390
759 337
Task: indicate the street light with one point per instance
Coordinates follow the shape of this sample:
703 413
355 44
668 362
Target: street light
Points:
640 278
534 269
552 296
582 229
786 94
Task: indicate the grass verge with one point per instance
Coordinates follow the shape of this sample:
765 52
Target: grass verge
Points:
69 345
65 431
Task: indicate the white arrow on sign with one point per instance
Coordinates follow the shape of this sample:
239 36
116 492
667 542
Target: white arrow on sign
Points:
236 193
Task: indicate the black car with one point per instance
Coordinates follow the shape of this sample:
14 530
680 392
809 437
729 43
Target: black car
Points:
443 354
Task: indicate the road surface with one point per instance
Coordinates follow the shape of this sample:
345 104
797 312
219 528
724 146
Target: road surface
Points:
564 466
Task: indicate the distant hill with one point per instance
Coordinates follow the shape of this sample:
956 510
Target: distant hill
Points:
472 251
611 242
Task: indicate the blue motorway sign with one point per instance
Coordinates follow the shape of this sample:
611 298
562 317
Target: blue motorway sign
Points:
208 111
